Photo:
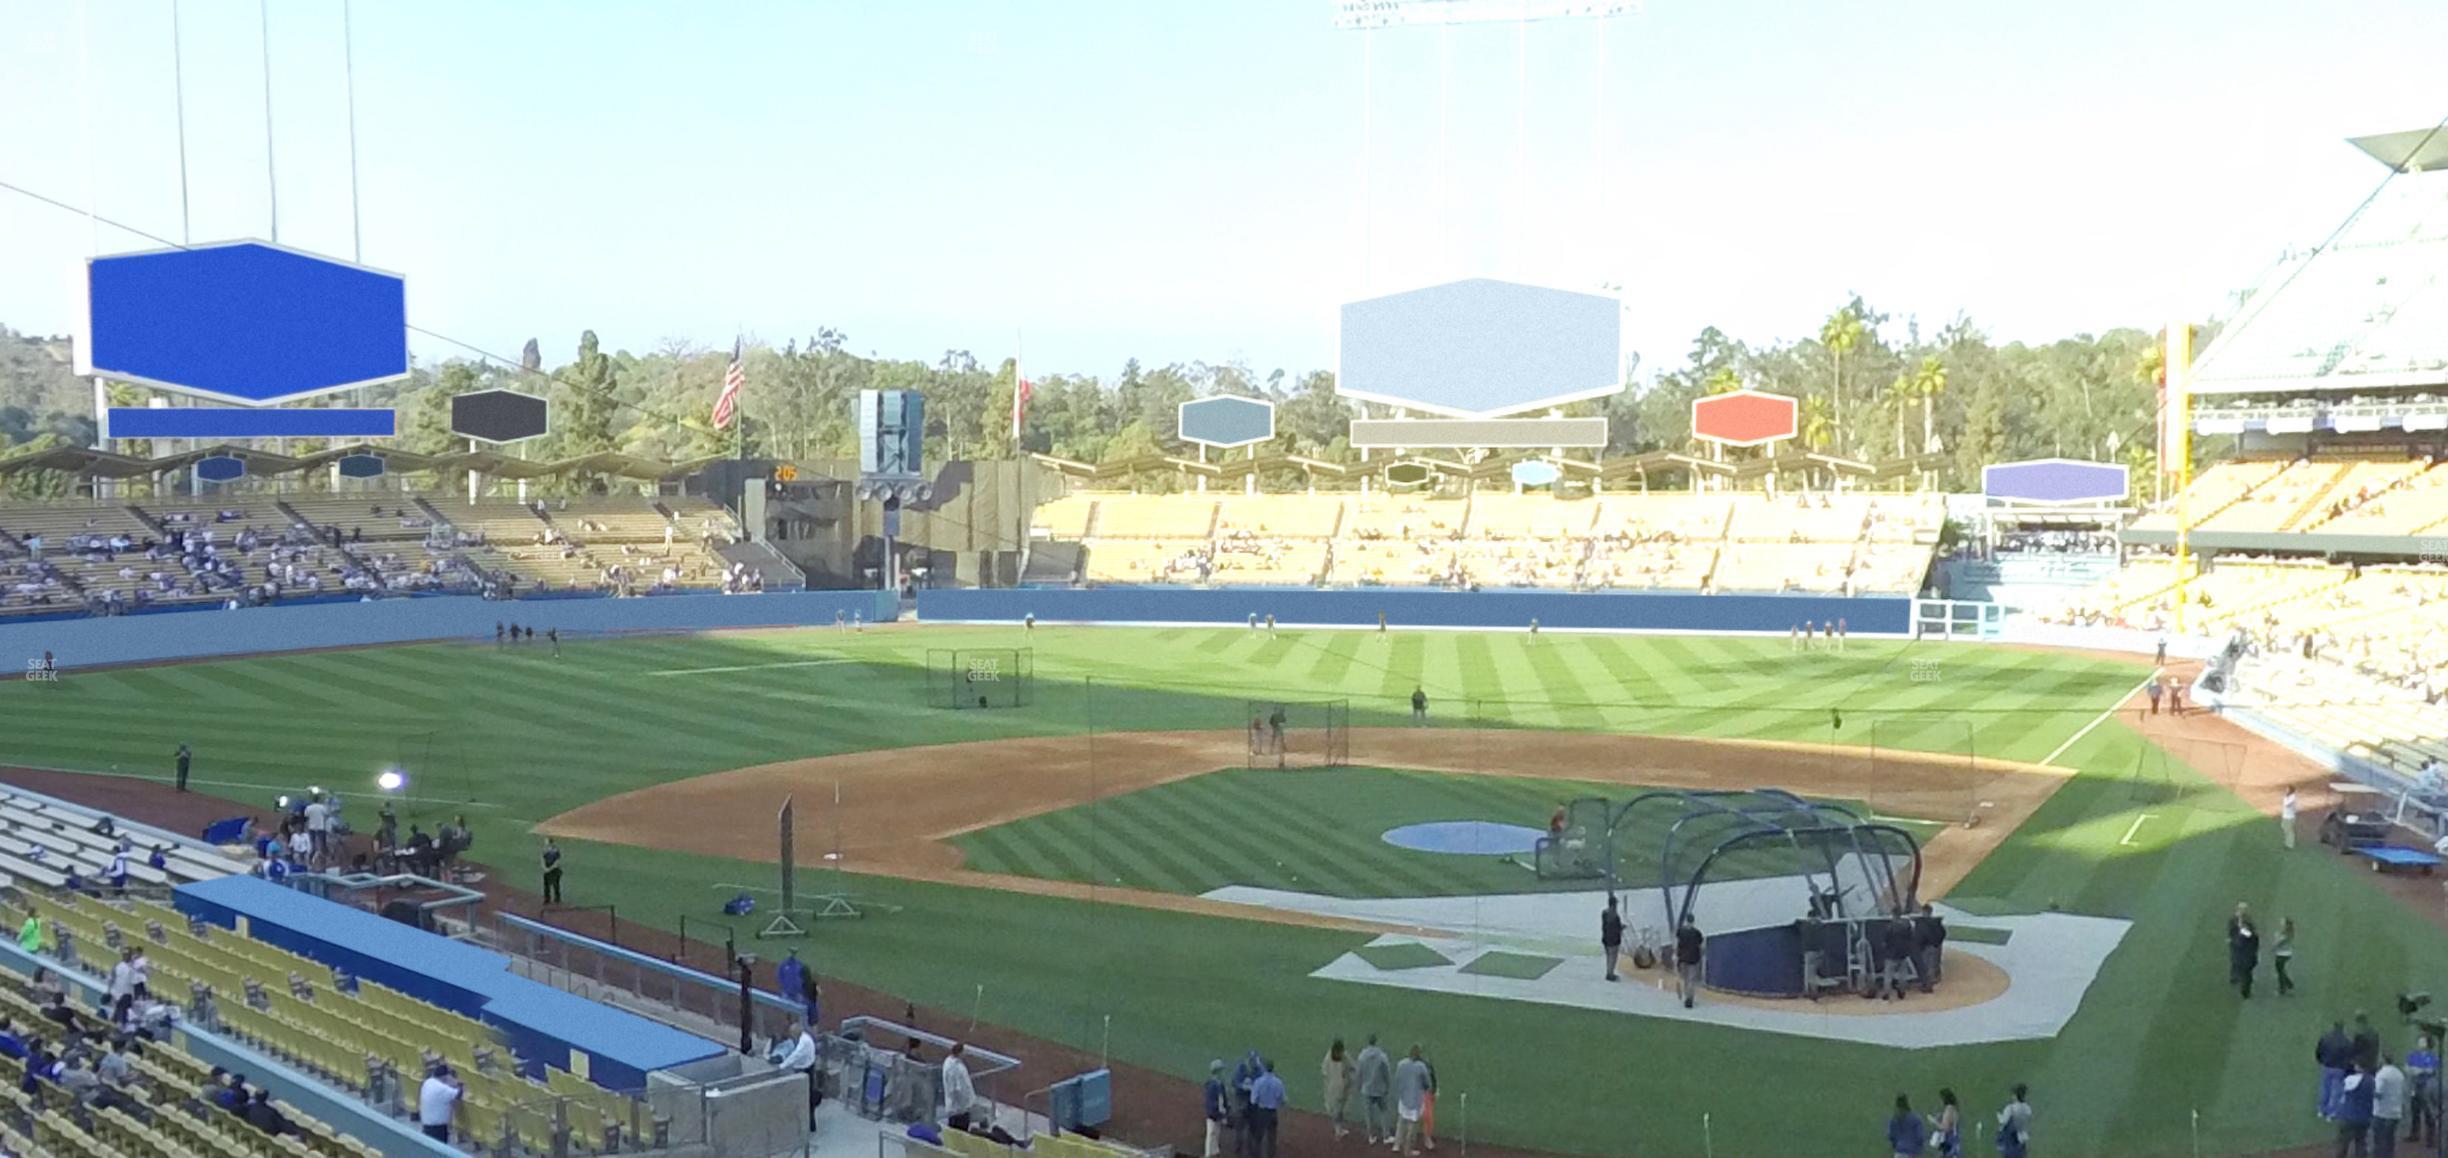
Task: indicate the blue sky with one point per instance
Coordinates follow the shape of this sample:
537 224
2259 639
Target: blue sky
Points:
1104 179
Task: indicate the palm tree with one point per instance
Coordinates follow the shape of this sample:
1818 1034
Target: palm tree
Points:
1840 333
1900 395
1722 380
1929 382
1818 425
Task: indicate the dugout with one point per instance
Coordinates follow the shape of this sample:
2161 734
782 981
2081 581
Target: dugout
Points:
980 677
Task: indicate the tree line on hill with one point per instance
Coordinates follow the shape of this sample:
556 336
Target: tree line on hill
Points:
1871 388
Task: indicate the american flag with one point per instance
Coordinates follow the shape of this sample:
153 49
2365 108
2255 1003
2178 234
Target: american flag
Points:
726 407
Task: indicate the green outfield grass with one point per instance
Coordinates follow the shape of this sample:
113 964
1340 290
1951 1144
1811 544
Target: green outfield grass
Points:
525 736
1321 831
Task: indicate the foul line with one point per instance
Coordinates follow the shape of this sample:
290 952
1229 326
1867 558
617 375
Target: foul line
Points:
2133 828
2096 721
748 667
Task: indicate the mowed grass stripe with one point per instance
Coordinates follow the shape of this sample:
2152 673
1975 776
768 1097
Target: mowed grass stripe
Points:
1160 831
1247 833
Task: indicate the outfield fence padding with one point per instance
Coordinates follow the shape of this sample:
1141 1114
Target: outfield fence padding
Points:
1553 610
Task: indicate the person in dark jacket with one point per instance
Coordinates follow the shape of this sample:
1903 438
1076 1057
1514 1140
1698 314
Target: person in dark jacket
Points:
1610 934
261 1115
1907 1134
1900 946
2354 1117
2335 1054
2366 1043
1930 931
1215 1106
2243 949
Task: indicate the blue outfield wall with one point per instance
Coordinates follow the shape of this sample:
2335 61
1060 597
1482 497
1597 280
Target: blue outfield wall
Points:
195 634
1562 610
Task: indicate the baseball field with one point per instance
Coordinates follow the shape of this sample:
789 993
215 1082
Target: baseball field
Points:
1047 864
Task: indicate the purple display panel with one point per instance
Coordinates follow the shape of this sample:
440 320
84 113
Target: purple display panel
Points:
2055 480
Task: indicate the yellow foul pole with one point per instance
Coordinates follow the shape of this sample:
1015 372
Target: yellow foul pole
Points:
2176 450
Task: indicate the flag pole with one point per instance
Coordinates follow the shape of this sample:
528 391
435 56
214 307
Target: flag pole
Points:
1019 376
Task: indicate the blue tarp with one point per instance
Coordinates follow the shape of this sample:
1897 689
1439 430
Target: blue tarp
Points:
543 1024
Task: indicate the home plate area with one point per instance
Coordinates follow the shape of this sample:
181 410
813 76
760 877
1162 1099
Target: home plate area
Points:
2005 978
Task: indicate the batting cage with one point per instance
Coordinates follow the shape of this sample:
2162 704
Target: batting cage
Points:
2154 779
980 677
1298 733
1795 897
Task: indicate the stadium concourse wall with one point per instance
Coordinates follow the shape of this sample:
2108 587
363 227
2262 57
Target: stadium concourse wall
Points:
92 642
1680 612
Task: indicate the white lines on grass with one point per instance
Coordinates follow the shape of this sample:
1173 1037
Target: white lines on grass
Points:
680 671
2096 721
2133 828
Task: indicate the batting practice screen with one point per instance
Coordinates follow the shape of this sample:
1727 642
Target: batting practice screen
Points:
979 677
1298 733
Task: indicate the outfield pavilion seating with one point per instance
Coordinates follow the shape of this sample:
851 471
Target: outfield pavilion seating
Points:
2140 595
1666 541
636 533
2216 489
1498 538
385 533
2413 499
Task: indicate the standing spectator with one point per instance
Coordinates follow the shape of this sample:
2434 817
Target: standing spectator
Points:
2154 691
2243 949
1930 935
811 999
318 827
118 872
123 976
1244 1083
29 934
1610 934
2014 1124
2366 1042
2176 690
2354 1116
1410 1101
438 1103
1946 1130
2286 818
959 1093
1376 1076
1266 1104
2282 954
2160 660
1215 1105
552 871
183 759
2422 1090
1428 1106
1334 1077
2388 1107
1907 1134
2335 1054
802 1060
1689 945
1419 700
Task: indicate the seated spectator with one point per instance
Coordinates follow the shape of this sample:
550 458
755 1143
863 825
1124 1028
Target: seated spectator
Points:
261 1115
11 1045
233 1096
73 1077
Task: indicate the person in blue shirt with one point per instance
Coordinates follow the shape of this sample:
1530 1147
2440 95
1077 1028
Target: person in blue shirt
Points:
790 976
160 860
2422 1087
2354 1113
1266 1104
1907 1134
11 1045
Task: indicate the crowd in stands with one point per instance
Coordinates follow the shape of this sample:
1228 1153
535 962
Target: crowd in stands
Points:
120 559
1840 543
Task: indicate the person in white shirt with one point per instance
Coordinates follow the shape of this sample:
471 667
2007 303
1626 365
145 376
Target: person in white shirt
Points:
301 847
2286 817
802 1060
123 976
438 1103
318 824
959 1094
2388 1105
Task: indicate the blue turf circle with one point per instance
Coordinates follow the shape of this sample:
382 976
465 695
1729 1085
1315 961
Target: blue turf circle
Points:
1465 838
